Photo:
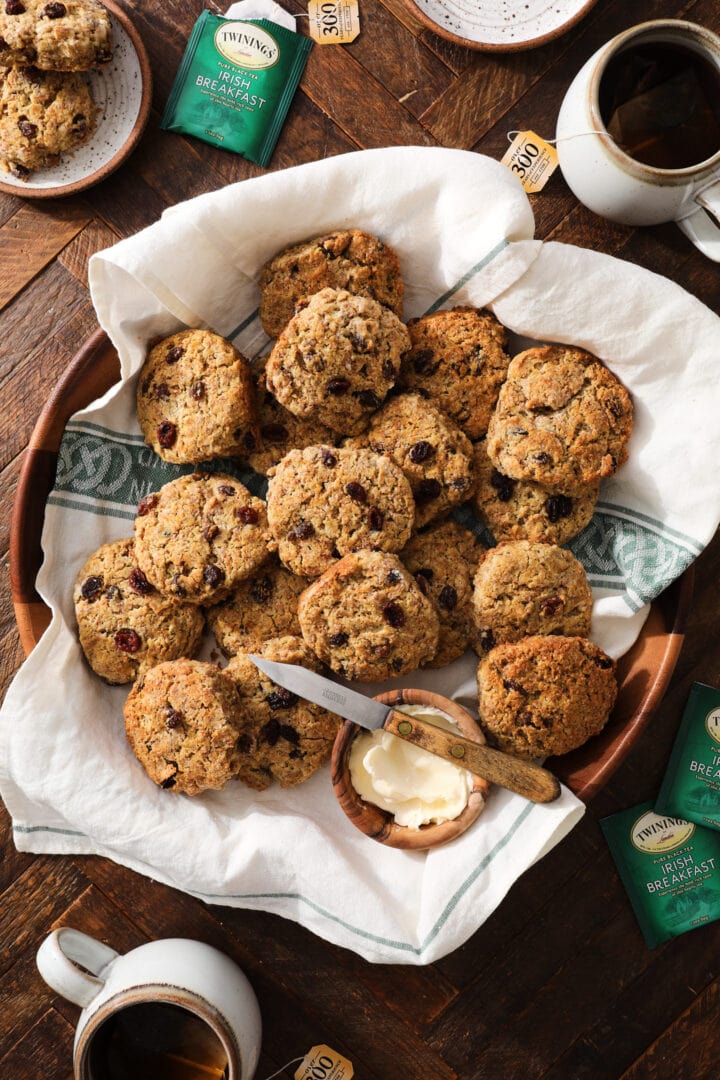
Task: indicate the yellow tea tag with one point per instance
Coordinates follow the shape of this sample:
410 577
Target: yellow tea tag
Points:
531 159
322 1063
334 22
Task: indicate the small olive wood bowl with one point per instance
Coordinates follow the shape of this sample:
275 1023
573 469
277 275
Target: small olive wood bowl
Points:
379 824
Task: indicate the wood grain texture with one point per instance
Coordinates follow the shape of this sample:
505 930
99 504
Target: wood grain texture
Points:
558 984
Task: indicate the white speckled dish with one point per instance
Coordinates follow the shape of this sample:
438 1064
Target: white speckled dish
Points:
122 91
500 25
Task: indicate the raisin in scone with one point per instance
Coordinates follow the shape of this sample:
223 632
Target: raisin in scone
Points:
324 503
196 399
443 559
523 588
367 618
562 419
336 360
348 259
458 360
545 695
285 738
125 625
200 536
184 722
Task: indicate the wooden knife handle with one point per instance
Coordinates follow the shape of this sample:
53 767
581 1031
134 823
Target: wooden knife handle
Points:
522 777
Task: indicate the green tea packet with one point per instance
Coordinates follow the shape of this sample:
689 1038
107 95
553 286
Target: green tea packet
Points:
691 787
670 869
236 82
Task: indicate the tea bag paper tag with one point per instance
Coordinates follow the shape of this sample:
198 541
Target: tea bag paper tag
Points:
531 159
323 1063
334 22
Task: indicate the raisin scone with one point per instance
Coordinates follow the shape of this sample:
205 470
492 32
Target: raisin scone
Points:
443 560
200 536
562 419
43 114
324 503
74 35
184 721
336 360
348 259
285 738
458 360
432 451
367 618
523 588
196 399
542 695
524 510
125 625
264 606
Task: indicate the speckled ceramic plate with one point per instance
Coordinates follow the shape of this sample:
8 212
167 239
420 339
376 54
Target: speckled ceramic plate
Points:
500 25
122 91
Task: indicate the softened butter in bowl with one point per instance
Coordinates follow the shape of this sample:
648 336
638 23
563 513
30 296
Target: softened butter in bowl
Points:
416 787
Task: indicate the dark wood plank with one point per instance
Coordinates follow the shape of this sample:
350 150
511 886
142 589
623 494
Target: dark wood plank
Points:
32 238
46 1050
690 1046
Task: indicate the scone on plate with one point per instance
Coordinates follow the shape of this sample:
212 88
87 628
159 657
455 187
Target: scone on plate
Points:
562 419
199 536
72 35
545 695
196 399
432 451
125 625
443 559
347 259
183 721
336 359
43 114
324 503
367 618
522 588
285 739
458 360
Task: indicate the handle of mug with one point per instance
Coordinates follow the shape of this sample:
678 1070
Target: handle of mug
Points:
61 959
702 225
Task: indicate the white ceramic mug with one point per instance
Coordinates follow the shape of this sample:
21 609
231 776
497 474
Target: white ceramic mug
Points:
160 982
618 187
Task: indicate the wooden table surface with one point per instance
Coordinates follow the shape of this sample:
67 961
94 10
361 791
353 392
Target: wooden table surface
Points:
558 983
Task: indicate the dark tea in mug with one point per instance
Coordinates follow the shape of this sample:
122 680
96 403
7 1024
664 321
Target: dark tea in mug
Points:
156 1040
660 102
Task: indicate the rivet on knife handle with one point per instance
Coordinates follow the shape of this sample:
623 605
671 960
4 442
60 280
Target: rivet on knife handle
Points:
522 777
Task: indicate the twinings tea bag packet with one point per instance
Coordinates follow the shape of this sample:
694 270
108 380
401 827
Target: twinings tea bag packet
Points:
236 82
691 787
669 867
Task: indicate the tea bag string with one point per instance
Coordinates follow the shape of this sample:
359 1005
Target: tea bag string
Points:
563 138
295 1061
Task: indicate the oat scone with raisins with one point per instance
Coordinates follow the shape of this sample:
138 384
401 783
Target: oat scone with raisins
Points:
264 606
43 114
279 430
324 503
367 618
443 559
184 721
285 738
545 695
74 35
125 625
524 510
432 451
199 536
523 588
196 399
336 360
348 259
562 419
458 360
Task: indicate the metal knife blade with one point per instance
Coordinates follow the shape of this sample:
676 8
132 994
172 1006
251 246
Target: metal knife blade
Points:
339 699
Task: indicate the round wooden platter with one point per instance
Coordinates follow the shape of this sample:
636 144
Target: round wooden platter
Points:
643 673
